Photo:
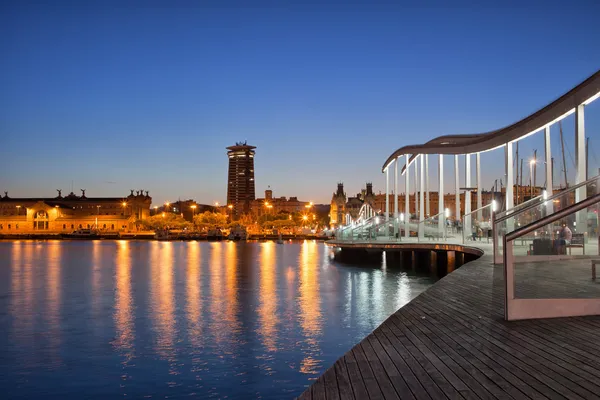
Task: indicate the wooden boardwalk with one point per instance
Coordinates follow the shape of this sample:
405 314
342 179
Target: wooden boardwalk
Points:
452 342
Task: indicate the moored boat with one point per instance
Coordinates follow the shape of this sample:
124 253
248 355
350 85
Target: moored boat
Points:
215 234
82 234
237 233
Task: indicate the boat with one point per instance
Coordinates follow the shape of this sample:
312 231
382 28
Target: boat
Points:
280 239
215 234
162 234
82 234
237 233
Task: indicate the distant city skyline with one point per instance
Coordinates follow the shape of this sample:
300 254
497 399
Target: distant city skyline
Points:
115 98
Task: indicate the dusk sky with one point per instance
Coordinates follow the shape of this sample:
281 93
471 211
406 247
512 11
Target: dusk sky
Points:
147 97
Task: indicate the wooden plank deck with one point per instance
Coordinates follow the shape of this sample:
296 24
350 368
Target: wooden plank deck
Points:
452 342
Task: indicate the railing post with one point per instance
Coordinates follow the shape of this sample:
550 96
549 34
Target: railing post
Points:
396 212
441 210
406 199
422 198
478 178
456 192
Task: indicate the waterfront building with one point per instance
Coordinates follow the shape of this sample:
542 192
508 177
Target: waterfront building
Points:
275 205
71 212
240 179
342 205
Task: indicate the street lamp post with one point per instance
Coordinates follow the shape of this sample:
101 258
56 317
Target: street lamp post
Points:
155 210
124 204
531 164
18 210
230 206
193 207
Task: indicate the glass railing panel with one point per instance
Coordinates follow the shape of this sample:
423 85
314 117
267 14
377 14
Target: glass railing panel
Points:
477 225
536 211
549 265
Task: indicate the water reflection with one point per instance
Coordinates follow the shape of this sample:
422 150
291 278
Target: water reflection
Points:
53 300
123 312
96 275
162 299
194 299
230 320
310 306
267 297
231 288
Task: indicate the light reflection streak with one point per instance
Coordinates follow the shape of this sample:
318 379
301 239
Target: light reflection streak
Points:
163 303
403 291
123 314
53 301
310 306
231 279
194 298
267 310
216 293
96 272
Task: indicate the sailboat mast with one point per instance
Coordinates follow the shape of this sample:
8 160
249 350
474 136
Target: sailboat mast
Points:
562 146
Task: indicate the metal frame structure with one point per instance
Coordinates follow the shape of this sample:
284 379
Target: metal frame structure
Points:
543 308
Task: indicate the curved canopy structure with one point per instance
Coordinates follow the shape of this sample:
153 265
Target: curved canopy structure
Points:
584 93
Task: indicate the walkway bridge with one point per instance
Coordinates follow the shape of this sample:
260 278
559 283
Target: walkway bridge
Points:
513 234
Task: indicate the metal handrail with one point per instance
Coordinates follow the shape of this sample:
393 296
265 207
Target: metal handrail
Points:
522 206
479 209
432 217
509 237
554 196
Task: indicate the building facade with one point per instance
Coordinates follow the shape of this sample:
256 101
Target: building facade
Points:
72 212
240 179
342 205
276 205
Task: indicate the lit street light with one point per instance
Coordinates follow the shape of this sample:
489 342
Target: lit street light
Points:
193 207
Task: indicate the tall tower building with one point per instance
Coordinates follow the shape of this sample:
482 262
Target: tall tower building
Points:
240 180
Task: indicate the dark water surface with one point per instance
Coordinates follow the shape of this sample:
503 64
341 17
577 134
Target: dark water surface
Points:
110 319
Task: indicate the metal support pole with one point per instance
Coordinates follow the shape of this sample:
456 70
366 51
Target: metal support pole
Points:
396 213
406 199
387 193
580 173
427 202
441 210
456 190
478 178
467 219
549 183
508 167
416 189
422 198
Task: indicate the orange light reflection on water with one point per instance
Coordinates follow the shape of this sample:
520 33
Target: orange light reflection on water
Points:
194 297
123 314
163 302
310 306
267 310
54 286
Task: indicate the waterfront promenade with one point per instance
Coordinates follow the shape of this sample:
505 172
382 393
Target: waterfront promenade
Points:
452 342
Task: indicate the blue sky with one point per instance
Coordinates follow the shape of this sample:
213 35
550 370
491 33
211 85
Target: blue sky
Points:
148 95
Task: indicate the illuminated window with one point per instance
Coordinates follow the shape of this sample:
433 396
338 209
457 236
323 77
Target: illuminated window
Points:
112 227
